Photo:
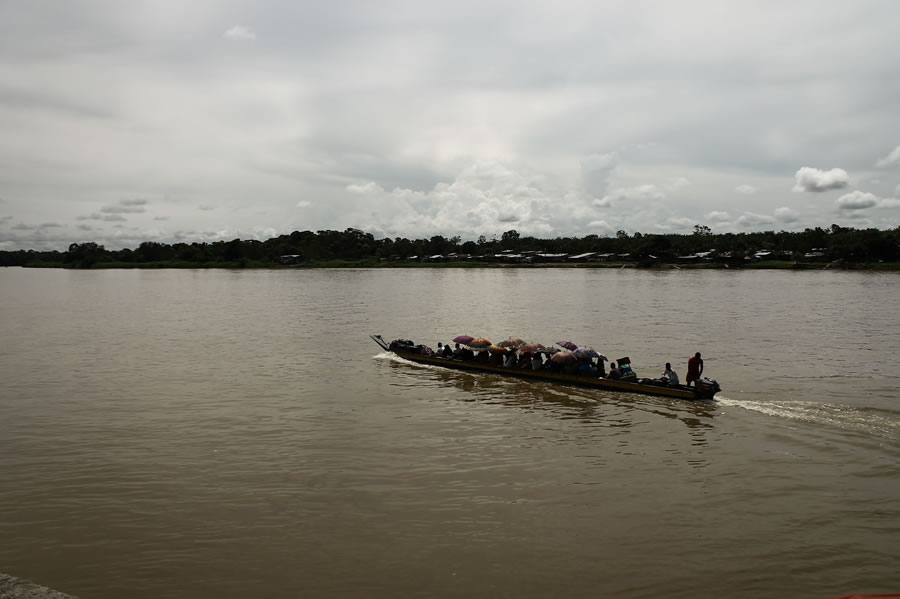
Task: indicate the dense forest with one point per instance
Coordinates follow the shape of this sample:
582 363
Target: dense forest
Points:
354 247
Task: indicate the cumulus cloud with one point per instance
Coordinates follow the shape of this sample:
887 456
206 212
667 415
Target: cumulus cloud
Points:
680 222
892 158
717 216
485 198
889 203
365 188
750 219
815 180
239 32
600 226
638 192
303 204
645 192
745 189
262 233
856 200
676 184
786 215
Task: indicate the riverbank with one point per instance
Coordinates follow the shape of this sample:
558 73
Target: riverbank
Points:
373 263
19 588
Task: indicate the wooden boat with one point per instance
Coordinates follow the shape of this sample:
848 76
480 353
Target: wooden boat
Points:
706 389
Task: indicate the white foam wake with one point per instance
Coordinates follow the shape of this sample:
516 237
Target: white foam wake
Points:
387 355
836 415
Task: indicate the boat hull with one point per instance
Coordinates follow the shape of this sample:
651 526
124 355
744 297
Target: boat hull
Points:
680 392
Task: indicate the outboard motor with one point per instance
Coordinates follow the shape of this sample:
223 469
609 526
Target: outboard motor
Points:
708 387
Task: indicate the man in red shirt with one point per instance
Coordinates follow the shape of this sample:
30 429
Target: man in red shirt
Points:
695 369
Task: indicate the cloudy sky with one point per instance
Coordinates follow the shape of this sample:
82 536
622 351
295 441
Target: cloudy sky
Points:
124 121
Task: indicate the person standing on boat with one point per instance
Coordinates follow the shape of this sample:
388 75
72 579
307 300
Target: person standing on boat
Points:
670 377
695 369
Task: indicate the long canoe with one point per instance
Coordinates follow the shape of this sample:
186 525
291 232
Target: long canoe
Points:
706 390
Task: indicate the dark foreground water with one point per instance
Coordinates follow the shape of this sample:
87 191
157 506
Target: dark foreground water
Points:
229 433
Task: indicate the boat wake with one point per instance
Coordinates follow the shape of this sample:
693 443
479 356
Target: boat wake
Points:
388 355
868 420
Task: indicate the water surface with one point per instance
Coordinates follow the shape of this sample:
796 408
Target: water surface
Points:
223 433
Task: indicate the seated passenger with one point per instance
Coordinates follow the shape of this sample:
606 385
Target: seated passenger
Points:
482 357
537 363
669 376
496 358
448 353
586 369
524 362
458 352
509 360
613 371
439 352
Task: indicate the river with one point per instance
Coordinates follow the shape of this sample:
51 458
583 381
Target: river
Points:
209 433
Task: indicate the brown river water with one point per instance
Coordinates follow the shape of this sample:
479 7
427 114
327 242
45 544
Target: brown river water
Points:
190 433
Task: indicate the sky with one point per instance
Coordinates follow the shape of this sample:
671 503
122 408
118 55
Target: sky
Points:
124 121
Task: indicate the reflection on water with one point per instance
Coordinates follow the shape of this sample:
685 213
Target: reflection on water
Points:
592 407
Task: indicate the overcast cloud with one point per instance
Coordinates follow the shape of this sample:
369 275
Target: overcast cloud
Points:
130 121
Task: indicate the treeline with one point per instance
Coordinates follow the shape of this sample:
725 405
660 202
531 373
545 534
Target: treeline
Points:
353 245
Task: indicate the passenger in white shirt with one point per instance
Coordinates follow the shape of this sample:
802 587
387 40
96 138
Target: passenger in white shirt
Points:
669 376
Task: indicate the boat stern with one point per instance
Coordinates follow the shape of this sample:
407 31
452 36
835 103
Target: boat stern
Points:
707 388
